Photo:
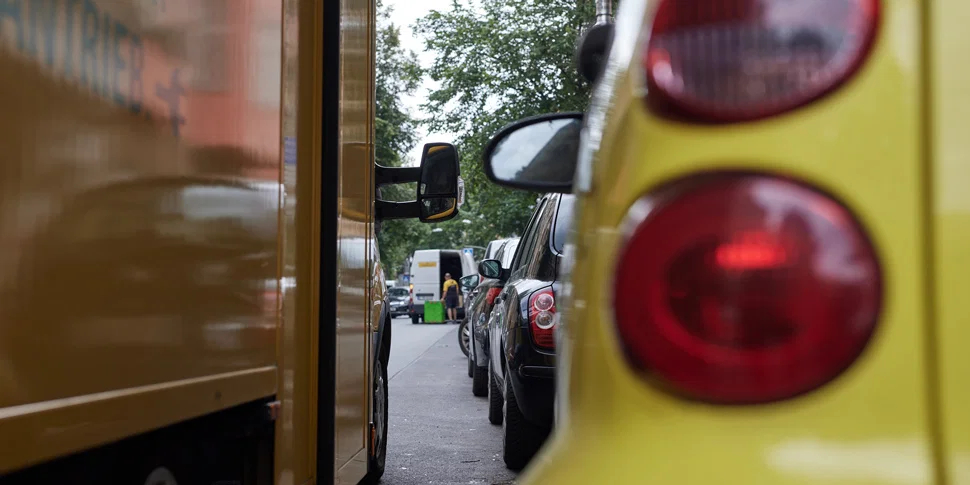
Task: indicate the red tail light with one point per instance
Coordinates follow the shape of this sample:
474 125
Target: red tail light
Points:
745 288
492 295
542 313
736 60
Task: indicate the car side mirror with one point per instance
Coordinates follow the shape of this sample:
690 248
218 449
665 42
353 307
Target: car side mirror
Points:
440 191
537 154
490 268
468 283
593 49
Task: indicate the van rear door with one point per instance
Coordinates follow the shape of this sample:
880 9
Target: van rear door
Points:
425 276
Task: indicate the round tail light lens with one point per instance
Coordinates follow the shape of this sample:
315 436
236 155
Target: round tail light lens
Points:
737 60
744 288
542 318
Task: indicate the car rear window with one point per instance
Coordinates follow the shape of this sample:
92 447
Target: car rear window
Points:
564 220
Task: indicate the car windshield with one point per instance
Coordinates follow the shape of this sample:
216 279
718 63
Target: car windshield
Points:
397 292
564 220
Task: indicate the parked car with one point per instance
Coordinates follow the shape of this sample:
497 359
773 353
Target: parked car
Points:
742 289
468 285
479 309
427 275
492 248
521 332
399 299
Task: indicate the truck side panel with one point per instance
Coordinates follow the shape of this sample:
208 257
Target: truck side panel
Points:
138 216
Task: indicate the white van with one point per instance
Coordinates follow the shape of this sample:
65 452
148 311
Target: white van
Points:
427 275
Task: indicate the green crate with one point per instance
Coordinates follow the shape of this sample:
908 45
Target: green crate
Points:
434 312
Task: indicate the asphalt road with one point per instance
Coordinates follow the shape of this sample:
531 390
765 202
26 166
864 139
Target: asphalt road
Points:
439 433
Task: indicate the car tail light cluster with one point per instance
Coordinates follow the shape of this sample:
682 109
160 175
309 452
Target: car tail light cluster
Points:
739 288
542 318
492 295
736 60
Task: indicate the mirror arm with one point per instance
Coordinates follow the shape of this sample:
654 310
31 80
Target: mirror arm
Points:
604 11
396 175
385 210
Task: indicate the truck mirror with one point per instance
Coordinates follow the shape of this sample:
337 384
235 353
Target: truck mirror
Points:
440 192
438 189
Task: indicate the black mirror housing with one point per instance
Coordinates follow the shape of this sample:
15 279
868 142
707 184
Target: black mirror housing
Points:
440 187
491 268
593 49
440 191
537 154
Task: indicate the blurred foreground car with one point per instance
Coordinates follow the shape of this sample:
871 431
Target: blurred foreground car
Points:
767 283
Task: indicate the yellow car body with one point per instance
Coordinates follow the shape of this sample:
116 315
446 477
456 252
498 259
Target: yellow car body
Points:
890 144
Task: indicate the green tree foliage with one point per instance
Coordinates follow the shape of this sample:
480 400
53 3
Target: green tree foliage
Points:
398 75
499 61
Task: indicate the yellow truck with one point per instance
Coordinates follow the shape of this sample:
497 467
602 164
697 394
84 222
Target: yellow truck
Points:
191 289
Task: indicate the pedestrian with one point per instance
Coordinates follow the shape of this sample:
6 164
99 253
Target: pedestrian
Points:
449 292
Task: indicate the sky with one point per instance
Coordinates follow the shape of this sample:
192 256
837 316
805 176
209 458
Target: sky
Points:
404 15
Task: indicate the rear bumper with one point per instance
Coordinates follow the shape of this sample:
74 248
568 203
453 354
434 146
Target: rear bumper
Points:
616 451
535 392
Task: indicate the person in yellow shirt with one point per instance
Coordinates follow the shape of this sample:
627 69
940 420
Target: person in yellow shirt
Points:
449 295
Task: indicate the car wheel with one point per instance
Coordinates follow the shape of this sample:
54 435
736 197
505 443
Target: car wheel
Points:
464 335
470 366
521 439
495 399
378 458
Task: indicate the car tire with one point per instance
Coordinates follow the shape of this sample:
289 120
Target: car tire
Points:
479 380
495 399
464 337
521 439
471 366
378 460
